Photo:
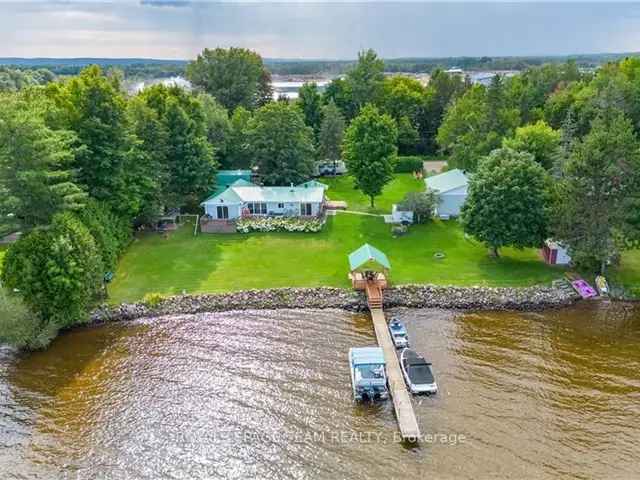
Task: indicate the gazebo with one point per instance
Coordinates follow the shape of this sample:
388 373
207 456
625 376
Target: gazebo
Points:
368 264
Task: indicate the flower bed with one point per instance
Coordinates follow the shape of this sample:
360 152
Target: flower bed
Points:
278 224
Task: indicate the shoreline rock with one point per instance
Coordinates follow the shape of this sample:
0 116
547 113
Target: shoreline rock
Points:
411 296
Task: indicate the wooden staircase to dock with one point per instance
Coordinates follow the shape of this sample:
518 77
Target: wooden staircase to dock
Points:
374 295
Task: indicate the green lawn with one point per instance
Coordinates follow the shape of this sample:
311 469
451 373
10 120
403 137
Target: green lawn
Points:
3 250
629 272
217 263
341 188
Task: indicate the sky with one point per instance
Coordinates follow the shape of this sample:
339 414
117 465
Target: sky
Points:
179 29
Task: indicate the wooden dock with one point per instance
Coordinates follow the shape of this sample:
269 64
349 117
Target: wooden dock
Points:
369 269
401 399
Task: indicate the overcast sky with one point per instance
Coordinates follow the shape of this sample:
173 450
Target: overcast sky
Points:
94 28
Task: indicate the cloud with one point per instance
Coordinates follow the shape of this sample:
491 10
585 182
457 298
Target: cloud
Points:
180 29
166 3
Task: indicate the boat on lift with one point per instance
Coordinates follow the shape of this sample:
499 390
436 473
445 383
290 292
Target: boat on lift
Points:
398 333
368 375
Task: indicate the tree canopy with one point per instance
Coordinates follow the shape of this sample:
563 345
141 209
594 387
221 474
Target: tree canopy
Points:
370 151
331 133
281 144
36 162
600 187
508 202
234 76
538 139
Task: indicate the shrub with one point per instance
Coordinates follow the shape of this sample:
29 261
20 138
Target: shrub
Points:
110 232
422 204
19 327
153 299
278 224
57 270
408 164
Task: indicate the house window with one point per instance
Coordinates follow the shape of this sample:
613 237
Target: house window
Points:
258 208
223 212
281 205
305 209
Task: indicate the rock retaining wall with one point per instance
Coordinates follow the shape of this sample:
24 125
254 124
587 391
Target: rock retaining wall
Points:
413 296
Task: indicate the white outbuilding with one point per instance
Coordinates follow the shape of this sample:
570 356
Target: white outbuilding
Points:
451 188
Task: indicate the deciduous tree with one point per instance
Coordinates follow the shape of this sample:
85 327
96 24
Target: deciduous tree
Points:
55 270
508 202
538 139
235 77
370 150
281 144
94 107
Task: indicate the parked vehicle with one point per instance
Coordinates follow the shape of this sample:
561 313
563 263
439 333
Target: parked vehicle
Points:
331 168
417 372
368 376
399 334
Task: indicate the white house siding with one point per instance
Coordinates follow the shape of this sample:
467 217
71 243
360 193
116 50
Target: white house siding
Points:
451 202
273 208
211 209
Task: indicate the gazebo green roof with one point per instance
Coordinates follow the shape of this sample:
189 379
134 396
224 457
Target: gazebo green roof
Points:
367 254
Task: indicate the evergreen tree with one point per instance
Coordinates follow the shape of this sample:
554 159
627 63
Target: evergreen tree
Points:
36 175
331 133
190 159
601 180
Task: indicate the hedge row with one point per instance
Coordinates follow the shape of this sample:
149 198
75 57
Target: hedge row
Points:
408 164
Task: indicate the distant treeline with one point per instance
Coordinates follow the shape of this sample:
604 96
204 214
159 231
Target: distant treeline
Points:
149 68
12 79
131 67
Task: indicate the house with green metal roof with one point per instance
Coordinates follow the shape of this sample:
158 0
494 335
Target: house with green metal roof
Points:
451 188
243 198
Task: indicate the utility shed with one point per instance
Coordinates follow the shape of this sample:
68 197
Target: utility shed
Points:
451 188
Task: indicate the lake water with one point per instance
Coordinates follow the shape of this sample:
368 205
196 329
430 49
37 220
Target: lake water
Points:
267 395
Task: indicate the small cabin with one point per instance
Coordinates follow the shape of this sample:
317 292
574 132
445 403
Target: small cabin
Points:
452 190
554 253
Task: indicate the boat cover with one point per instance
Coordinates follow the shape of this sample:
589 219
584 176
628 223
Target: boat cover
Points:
418 369
367 356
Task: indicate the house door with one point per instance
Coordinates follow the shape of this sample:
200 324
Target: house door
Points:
223 212
305 209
